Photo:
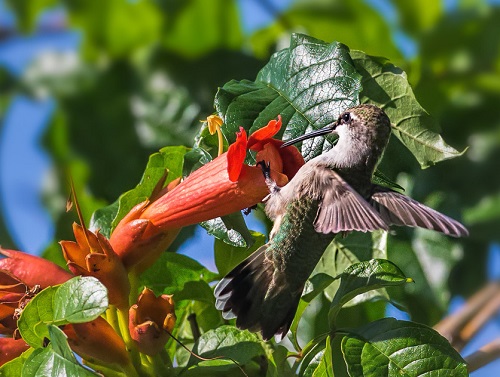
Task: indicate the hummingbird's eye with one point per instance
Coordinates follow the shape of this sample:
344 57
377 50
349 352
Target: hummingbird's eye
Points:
346 117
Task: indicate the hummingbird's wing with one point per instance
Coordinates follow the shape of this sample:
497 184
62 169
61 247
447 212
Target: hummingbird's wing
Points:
399 209
341 208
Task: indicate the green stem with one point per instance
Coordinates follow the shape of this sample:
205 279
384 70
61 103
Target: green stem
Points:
112 319
122 319
160 369
134 288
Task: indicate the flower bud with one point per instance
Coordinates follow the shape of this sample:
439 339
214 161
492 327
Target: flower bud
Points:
151 321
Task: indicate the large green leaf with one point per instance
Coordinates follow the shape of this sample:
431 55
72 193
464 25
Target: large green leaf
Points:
344 252
314 286
363 277
309 84
389 347
278 365
387 87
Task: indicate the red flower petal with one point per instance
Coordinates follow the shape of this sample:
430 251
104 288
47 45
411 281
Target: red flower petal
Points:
11 348
236 155
292 159
33 270
265 132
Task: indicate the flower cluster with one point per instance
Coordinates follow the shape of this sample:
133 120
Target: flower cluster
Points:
221 187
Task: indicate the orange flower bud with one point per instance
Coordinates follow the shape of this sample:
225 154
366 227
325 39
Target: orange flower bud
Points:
92 255
98 340
138 242
151 321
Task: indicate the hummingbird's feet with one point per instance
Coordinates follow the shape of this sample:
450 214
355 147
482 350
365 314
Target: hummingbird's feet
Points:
266 169
248 210
271 184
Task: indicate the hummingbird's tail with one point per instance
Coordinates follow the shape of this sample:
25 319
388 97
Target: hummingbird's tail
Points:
257 295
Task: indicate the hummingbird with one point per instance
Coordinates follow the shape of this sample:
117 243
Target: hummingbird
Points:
331 194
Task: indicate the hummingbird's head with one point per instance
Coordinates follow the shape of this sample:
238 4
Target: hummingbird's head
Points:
363 133
363 125
367 124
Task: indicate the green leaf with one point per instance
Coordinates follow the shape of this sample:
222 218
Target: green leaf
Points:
380 179
321 365
429 258
344 252
309 84
79 300
278 365
389 347
313 287
231 229
14 367
56 359
196 290
226 343
227 256
363 277
36 315
195 159
168 159
103 218
387 87
313 352
172 272
205 314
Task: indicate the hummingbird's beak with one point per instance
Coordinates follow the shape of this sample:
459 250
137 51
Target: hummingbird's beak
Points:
320 132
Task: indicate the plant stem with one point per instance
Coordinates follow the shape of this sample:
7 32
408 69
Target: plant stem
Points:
485 355
122 318
112 319
195 329
459 327
478 321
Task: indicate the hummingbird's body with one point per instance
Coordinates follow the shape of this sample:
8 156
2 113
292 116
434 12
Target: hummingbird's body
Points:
331 193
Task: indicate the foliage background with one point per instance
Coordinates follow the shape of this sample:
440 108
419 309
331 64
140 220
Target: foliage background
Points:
146 71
